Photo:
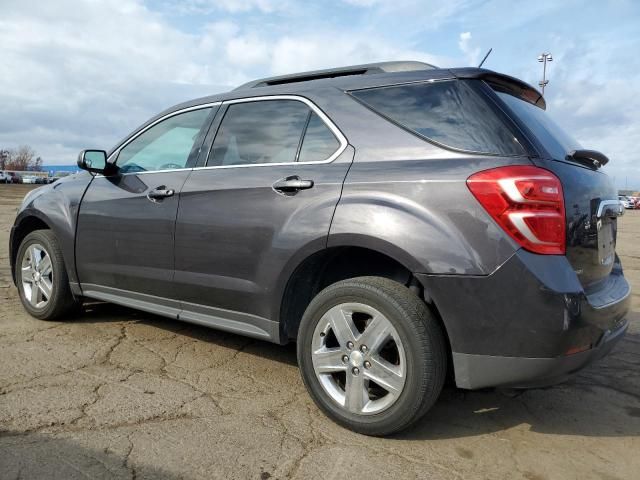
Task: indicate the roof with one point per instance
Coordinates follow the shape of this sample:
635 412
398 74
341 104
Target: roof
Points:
365 69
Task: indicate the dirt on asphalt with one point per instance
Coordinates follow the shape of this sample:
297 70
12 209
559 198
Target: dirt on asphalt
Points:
116 393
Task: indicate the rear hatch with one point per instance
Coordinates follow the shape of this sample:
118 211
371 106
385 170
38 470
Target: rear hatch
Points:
591 200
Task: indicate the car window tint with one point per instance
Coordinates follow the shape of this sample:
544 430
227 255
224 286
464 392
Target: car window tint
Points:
319 142
558 142
450 113
256 132
167 145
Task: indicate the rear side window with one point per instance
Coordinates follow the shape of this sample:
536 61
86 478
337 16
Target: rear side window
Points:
267 131
319 142
450 113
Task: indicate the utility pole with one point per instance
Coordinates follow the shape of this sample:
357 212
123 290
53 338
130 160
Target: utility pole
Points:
543 58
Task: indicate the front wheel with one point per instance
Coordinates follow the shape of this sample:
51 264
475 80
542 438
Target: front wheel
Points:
372 356
42 278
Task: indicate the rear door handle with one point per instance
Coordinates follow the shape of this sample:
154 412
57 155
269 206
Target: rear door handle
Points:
292 185
160 193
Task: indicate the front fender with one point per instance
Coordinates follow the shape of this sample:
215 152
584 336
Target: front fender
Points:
56 206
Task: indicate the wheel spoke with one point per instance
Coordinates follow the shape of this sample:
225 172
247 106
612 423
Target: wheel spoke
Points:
35 257
342 326
45 288
328 360
356 396
376 333
35 294
386 375
27 274
45 266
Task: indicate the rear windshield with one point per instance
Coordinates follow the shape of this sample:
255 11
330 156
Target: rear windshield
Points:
557 142
451 113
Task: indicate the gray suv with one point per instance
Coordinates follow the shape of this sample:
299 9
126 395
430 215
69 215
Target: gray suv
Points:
402 223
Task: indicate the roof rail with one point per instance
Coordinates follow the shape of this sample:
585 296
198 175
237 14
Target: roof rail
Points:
365 69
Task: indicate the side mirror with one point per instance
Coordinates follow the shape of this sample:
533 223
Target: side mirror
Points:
93 161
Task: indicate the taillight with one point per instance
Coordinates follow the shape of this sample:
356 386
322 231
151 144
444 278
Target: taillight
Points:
527 202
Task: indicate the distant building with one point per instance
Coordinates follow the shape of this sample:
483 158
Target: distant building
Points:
60 170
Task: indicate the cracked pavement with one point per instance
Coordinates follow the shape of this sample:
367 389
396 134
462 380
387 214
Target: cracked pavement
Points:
115 393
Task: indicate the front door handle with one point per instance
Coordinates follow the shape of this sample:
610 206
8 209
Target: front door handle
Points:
292 185
160 193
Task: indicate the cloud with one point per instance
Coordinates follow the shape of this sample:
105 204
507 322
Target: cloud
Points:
472 54
232 6
362 3
84 74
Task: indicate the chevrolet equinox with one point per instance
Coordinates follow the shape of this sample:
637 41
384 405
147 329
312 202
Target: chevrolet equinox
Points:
400 222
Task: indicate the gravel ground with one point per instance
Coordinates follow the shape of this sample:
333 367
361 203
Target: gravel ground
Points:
116 393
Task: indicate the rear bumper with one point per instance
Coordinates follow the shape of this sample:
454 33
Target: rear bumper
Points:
522 325
480 371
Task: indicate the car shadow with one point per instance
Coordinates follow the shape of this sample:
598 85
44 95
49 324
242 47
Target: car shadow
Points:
602 400
100 312
35 455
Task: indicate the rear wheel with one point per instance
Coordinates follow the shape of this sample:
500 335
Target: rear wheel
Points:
371 355
42 278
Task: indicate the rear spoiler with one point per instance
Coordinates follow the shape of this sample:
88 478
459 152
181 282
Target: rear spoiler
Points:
504 83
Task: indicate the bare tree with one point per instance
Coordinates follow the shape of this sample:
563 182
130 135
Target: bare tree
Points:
4 158
21 159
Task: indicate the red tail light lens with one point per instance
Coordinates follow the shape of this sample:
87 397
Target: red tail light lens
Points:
527 202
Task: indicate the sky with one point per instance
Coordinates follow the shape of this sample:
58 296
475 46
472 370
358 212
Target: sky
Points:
83 73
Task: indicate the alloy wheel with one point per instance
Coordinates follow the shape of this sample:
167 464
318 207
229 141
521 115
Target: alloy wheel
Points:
37 276
358 358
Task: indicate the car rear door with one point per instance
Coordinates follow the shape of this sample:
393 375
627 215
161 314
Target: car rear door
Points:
126 223
266 193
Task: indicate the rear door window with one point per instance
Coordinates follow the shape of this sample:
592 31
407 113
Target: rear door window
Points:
450 113
259 132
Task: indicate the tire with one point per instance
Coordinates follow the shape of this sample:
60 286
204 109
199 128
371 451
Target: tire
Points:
36 247
414 353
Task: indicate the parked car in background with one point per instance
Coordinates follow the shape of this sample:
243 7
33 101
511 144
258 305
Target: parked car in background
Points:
4 178
626 202
14 177
29 179
399 221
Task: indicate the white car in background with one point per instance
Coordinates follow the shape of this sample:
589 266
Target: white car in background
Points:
626 202
29 179
4 178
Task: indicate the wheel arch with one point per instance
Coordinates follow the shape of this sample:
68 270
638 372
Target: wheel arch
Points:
344 260
27 222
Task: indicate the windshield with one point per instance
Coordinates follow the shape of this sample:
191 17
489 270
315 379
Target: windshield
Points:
557 142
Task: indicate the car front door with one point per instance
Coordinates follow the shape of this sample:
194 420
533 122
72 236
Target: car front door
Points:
126 223
268 191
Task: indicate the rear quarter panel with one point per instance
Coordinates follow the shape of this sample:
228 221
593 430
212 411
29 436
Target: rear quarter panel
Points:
421 213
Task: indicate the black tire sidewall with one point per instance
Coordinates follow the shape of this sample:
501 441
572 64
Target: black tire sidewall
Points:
420 379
